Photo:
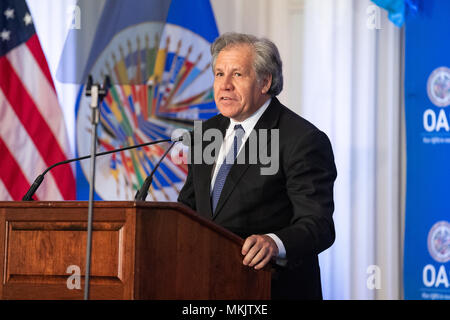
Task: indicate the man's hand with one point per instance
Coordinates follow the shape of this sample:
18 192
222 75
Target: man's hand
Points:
258 250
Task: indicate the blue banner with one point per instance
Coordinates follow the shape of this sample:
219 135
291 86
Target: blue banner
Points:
427 103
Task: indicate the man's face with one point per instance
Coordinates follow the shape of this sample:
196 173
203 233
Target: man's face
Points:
237 92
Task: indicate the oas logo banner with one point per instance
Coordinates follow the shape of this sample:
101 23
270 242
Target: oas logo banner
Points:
163 82
436 276
427 112
439 242
438 87
436 118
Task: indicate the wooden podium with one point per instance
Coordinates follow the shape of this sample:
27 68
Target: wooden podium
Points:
140 250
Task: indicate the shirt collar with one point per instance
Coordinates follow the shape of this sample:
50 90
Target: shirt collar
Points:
249 123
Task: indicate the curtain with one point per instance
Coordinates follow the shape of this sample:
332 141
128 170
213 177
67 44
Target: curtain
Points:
352 90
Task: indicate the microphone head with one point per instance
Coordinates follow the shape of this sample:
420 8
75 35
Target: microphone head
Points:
180 138
107 83
184 137
89 84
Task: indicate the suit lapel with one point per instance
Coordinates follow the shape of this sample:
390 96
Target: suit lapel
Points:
268 120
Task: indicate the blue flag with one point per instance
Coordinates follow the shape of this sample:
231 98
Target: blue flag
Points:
163 82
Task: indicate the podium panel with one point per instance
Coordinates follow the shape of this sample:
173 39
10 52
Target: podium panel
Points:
140 250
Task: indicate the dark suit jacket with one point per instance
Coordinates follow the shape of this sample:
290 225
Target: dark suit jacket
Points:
295 203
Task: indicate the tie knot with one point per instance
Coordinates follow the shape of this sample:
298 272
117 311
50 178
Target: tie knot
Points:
239 130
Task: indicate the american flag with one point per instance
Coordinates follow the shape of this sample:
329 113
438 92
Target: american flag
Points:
32 130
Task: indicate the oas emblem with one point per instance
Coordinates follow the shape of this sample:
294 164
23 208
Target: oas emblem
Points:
438 87
439 241
163 81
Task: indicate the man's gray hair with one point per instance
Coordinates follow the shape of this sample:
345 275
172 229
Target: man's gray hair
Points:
266 62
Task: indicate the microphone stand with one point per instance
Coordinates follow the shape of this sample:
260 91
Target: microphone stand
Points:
33 188
97 93
141 194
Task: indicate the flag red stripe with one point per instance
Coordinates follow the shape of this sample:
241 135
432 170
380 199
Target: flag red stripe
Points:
36 50
37 127
11 174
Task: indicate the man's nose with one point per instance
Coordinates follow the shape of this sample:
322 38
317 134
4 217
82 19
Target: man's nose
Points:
227 83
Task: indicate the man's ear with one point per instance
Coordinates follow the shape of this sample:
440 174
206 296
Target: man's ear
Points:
266 84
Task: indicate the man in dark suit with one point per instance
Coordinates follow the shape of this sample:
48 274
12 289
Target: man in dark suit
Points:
283 209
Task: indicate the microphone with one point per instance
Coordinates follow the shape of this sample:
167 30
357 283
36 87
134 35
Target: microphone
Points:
32 190
143 191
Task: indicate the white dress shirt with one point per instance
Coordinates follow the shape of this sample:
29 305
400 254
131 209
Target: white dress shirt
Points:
248 125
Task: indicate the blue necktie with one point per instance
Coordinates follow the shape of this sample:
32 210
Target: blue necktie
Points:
226 166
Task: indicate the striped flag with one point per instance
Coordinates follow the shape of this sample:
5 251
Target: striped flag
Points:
32 130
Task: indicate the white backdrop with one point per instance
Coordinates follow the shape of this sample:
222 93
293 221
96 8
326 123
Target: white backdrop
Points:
345 77
353 92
